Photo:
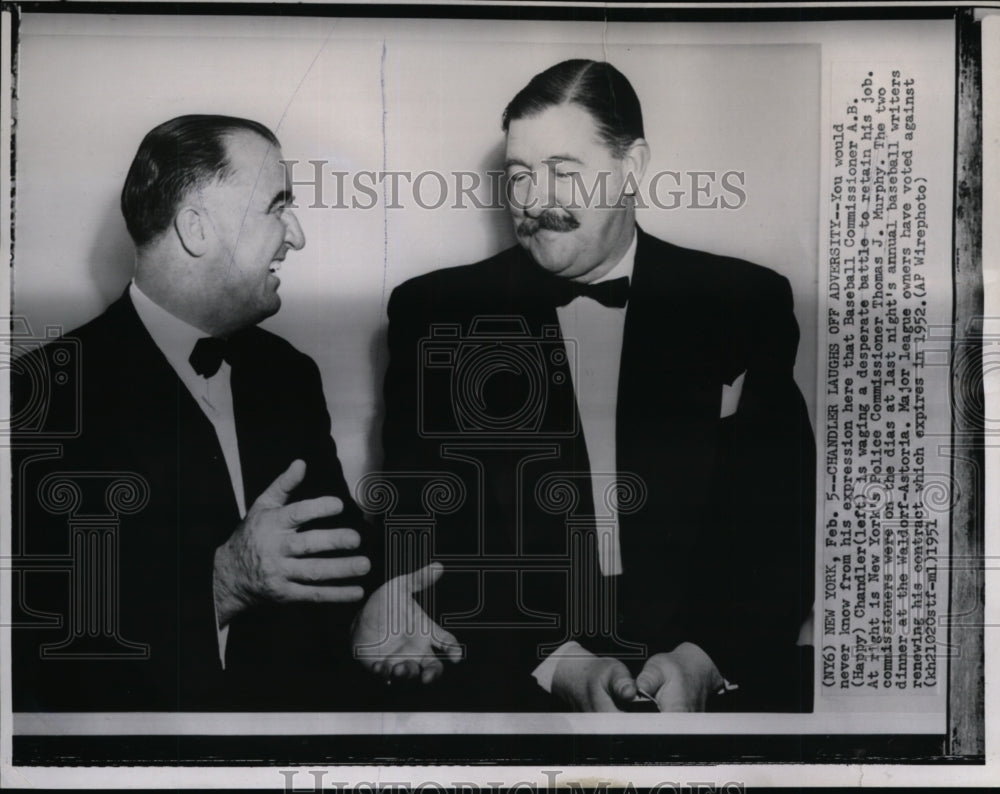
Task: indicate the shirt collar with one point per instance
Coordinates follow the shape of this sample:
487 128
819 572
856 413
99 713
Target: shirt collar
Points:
625 265
174 337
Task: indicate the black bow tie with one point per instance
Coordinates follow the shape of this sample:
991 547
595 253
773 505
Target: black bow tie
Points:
613 293
208 355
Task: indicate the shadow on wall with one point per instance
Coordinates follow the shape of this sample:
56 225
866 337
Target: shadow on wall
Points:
112 256
500 228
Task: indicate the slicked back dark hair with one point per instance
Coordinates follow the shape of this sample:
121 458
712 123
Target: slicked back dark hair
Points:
174 157
597 87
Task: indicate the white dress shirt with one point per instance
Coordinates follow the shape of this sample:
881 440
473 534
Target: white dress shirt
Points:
176 339
596 332
593 335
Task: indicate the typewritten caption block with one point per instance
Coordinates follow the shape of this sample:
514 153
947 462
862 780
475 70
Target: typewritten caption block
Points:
886 496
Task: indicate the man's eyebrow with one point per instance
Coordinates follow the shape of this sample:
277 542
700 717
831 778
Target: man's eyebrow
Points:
284 197
563 158
555 158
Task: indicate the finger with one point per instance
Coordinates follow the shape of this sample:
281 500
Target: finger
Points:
322 594
277 493
445 642
420 579
432 671
299 513
312 570
622 688
672 699
618 684
406 670
317 541
651 678
603 702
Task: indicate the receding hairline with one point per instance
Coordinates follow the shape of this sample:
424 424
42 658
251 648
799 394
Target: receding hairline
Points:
229 167
236 132
226 172
175 158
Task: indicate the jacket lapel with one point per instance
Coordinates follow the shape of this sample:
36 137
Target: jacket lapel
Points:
669 391
556 445
171 433
267 418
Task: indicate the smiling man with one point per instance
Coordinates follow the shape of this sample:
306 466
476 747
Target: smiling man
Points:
636 459
231 562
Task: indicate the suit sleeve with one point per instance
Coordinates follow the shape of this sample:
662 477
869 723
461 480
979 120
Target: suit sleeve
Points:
759 590
306 647
68 461
328 473
327 476
407 453
401 440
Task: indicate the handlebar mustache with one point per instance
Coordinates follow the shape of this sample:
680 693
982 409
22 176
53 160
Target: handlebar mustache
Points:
549 221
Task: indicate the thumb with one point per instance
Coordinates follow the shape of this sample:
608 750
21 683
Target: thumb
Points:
277 493
651 678
445 642
422 579
621 686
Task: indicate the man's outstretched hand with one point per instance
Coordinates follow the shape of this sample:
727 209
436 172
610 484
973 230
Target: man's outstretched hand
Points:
680 680
267 559
395 639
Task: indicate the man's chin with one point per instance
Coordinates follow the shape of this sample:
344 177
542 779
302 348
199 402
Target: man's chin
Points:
270 307
546 255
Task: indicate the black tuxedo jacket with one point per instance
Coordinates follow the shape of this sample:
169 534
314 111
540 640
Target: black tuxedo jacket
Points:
717 518
125 512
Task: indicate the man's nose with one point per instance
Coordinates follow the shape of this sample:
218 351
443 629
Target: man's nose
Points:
537 200
294 235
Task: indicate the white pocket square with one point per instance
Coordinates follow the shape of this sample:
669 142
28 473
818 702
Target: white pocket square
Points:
731 396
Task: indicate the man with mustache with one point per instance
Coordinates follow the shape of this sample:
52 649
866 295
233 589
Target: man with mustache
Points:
218 559
636 458
548 221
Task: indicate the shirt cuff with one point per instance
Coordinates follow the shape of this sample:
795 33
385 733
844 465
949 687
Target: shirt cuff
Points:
546 671
726 685
221 634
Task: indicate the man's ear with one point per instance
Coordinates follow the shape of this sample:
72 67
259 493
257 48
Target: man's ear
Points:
189 223
634 162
